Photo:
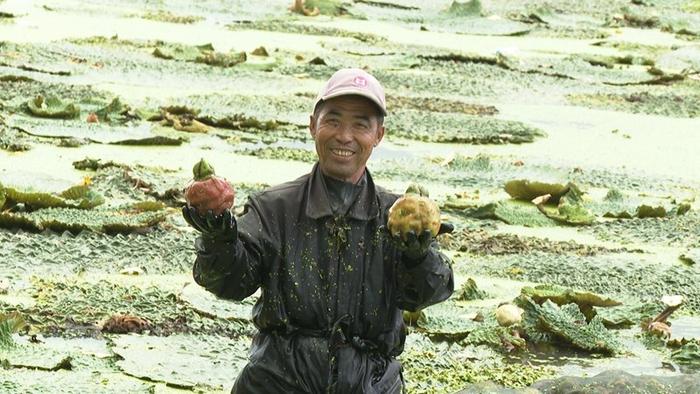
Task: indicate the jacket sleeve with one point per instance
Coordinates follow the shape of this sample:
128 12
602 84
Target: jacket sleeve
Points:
234 269
425 282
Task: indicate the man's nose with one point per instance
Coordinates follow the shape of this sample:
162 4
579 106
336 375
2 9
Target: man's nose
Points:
344 133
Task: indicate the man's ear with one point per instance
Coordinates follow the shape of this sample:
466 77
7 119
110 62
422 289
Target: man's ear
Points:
312 126
380 135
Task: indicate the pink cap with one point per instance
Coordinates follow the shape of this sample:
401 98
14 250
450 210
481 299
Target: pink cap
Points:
353 81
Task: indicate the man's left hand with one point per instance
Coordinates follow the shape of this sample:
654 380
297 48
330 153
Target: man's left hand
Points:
415 246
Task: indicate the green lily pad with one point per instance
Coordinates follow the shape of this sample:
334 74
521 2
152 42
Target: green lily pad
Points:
566 324
690 257
75 220
471 8
582 69
79 196
623 206
283 153
526 190
513 212
688 354
561 295
26 380
3 198
459 128
470 291
647 211
209 305
491 334
182 360
628 315
571 209
34 356
105 133
52 107
199 54
115 111
446 320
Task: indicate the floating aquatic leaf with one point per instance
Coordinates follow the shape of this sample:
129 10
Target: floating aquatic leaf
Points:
151 357
571 208
75 220
115 111
688 354
199 54
647 211
9 324
567 324
470 291
79 196
209 305
446 320
561 295
526 190
52 107
690 257
491 334
459 128
512 212
471 8
628 315
2 196
282 153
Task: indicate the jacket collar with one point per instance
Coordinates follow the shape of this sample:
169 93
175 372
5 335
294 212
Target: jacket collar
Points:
365 206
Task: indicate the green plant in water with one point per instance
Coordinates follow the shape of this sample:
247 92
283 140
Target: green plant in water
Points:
9 324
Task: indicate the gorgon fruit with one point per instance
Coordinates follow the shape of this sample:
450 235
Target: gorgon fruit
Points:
208 191
414 211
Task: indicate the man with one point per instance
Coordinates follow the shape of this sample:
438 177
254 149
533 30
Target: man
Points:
333 281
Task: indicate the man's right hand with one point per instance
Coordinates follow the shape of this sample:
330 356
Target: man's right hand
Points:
221 227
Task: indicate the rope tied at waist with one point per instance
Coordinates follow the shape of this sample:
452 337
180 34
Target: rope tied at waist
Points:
337 337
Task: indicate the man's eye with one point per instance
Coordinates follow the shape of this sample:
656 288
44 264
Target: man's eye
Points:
361 126
333 122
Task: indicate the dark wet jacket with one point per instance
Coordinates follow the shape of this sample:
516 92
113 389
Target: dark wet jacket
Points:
332 289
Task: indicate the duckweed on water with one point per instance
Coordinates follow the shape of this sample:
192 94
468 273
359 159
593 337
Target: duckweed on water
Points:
624 276
646 102
485 243
281 153
157 252
299 28
167 16
458 128
432 371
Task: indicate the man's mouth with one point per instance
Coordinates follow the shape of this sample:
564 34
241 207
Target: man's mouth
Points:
342 152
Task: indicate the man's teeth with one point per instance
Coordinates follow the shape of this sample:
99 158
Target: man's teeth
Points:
342 152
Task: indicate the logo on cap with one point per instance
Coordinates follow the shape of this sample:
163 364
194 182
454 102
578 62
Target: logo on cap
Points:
360 81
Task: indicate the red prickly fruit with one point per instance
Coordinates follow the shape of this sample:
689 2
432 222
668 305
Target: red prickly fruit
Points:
208 191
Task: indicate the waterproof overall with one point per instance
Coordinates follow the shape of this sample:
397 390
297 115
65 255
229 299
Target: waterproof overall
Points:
333 288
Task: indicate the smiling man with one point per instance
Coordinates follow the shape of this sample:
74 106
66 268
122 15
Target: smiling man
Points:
333 281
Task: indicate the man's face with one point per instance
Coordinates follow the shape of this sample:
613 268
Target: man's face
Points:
346 130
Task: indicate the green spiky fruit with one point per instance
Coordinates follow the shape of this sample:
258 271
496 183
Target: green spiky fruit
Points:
414 211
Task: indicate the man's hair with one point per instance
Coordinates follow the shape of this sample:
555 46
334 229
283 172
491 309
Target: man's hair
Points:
378 114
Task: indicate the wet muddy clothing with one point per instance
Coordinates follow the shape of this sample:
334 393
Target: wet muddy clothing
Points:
332 288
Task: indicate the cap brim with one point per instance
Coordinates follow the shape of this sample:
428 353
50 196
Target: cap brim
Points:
359 92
